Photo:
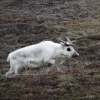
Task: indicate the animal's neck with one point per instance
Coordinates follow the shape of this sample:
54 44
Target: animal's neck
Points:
58 50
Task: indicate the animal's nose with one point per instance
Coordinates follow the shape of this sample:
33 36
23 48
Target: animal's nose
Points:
75 55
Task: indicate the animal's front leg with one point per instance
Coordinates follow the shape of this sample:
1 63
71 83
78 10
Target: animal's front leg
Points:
62 62
50 61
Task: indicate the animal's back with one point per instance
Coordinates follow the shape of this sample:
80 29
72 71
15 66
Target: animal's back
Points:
42 45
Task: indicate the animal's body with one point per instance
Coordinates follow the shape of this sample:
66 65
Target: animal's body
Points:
38 54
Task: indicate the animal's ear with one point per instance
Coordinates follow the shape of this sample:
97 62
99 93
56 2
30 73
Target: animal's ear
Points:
62 44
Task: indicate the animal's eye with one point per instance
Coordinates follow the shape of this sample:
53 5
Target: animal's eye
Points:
68 49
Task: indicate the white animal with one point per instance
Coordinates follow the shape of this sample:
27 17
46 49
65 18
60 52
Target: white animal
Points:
38 54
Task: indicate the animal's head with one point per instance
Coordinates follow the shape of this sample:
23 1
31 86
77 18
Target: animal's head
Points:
68 49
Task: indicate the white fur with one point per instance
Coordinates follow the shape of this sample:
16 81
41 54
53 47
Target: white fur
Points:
36 55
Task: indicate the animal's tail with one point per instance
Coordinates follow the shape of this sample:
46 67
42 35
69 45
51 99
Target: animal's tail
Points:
8 59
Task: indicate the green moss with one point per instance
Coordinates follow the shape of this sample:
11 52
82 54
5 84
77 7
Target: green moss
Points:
97 77
6 90
88 97
64 79
60 27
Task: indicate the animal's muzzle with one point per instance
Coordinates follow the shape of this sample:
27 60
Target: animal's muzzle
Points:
75 55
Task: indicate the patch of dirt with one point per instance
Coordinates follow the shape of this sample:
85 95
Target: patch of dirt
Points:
23 23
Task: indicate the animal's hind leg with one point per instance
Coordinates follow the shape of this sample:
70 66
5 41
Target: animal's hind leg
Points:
9 72
16 70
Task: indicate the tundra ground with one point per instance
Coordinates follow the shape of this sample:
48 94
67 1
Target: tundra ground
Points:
23 23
